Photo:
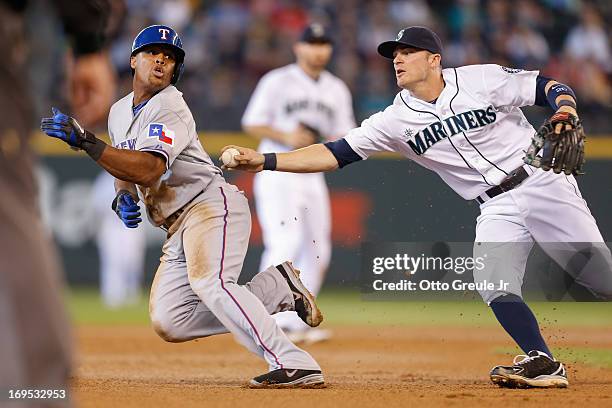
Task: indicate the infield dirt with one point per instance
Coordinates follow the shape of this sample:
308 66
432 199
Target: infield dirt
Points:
378 366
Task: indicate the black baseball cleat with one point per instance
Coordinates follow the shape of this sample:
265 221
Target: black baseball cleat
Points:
305 305
536 369
286 378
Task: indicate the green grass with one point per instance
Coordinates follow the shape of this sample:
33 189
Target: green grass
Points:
86 307
347 307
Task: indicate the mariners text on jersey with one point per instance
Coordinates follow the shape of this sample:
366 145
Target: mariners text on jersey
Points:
430 135
286 97
472 136
305 104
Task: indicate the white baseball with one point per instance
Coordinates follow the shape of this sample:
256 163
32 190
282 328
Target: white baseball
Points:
228 157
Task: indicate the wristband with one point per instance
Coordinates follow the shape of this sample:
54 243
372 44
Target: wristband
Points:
93 146
269 161
567 102
557 90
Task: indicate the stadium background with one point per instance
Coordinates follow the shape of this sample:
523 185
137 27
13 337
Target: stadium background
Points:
229 45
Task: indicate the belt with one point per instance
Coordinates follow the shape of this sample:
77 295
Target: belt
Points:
172 219
512 180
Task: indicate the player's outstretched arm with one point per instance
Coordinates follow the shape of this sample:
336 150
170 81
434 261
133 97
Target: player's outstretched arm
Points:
312 159
142 168
132 166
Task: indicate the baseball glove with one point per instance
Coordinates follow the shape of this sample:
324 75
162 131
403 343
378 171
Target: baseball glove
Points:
316 134
561 140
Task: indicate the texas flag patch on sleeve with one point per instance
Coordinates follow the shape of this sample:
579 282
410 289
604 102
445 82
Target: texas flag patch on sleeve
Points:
162 133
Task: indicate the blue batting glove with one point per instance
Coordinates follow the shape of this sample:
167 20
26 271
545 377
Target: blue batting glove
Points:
126 209
62 126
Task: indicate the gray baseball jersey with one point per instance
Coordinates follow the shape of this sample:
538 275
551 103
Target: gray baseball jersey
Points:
164 126
204 252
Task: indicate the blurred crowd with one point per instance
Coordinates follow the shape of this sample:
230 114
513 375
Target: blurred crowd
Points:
230 43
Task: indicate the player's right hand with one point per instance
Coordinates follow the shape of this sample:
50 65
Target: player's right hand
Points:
126 209
248 159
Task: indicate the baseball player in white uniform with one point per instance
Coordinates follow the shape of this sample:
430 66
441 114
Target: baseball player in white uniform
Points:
195 294
292 107
465 124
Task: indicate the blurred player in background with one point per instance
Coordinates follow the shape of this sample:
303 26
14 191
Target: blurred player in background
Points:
34 332
292 107
121 250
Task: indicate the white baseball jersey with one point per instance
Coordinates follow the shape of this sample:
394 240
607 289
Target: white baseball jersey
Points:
287 96
164 126
472 136
298 227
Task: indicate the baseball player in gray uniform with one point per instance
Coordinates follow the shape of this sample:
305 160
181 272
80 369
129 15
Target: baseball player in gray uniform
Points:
465 124
157 158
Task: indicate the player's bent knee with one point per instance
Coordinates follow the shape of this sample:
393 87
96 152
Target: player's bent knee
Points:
604 293
603 289
169 330
164 332
489 296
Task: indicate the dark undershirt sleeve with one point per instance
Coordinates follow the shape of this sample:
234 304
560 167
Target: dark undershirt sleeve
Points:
343 152
541 99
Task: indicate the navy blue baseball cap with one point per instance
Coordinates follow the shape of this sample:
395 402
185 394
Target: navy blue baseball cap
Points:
316 33
417 37
162 35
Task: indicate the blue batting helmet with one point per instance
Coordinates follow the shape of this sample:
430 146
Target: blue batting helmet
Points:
162 35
